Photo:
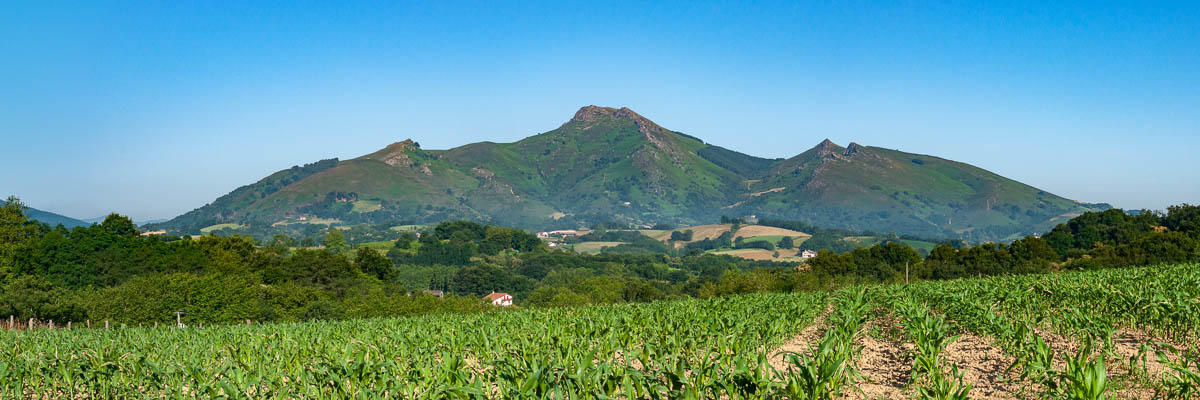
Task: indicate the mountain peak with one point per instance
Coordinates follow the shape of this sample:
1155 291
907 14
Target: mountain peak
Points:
853 148
592 113
395 153
827 147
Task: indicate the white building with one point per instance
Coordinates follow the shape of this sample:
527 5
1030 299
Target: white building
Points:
499 299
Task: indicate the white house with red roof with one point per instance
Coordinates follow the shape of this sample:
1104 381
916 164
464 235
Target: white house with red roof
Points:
499 299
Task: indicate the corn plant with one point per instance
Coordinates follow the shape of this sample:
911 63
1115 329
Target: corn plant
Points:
1183 379
829 369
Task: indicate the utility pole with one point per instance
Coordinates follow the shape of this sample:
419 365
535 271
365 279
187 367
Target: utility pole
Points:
906 272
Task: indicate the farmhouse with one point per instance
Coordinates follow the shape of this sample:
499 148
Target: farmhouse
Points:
808 254
434 293
499 299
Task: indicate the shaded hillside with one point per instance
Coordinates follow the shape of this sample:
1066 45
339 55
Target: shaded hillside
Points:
615 166
53 219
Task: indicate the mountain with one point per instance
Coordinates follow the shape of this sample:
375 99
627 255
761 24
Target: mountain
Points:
614 165
53 219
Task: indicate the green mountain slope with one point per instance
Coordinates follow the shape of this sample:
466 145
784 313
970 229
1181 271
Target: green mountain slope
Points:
607 163
871 188
53 219
614 165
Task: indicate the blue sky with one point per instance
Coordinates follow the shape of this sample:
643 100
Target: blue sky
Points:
152 110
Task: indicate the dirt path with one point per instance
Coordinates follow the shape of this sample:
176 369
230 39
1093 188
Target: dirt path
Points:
983 367
802 343
885 368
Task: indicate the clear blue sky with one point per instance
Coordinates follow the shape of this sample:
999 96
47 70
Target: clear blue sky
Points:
156 109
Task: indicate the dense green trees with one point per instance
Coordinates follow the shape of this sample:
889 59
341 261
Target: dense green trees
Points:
16 234
335 241
880 263
108 271
684 236
740 243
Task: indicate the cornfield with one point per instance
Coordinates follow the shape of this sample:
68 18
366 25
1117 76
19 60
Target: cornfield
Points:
690 349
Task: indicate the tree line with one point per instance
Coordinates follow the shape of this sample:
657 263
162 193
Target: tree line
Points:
1107 239
108 271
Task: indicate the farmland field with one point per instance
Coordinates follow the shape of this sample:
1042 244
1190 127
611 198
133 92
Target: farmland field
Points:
868 241
761 254
217 227
750 231
594 247
1096 334
746 232
365 206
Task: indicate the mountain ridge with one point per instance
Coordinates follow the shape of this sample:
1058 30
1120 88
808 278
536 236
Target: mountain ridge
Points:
614 165
54 219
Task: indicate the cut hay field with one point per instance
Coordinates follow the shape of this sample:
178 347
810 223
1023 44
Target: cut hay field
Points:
1117 333
217 227
747 232
701 232
657 234
762 254
750 231
594 247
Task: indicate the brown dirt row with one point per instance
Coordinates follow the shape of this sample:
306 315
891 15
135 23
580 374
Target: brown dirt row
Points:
983 367
803 343
885 369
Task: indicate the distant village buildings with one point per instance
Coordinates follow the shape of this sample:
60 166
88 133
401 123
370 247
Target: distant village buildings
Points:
499 299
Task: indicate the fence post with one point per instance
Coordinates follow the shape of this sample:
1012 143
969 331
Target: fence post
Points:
106 324
68 325
89 324
31 324
51 324
12 324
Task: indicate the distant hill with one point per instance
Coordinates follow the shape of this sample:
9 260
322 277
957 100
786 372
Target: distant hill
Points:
616 166
53 219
